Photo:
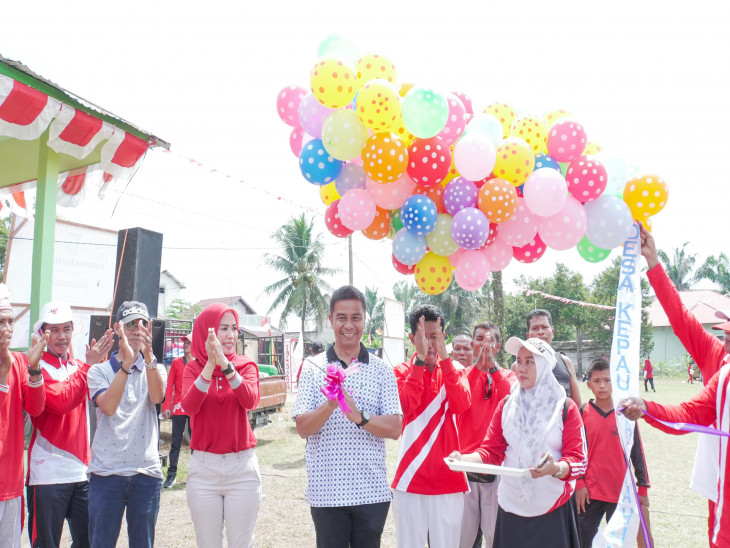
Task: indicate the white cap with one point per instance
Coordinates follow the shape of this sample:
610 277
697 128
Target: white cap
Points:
536 346
53 313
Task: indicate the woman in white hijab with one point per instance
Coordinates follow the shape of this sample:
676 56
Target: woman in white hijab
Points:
537 428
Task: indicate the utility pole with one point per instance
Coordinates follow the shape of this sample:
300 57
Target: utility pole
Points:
349 252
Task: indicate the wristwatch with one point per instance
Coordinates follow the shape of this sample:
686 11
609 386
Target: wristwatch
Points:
419 362
152 364
365 418
34 372
228 370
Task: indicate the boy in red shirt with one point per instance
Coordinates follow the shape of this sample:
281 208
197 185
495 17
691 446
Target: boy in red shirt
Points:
173 408
598 491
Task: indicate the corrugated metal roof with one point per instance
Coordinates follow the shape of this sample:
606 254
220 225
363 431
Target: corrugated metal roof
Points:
701 302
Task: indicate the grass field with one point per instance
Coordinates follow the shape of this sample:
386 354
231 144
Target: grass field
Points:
678 514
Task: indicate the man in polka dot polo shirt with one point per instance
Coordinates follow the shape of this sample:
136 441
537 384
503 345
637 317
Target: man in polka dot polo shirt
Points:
347 486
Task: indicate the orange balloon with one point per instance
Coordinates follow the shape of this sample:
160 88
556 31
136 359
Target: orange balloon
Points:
436 193
504 113
498 200
384 157
380 227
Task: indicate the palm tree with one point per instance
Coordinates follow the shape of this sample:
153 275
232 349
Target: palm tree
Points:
302 290
406 292
717 270
375 314
679 268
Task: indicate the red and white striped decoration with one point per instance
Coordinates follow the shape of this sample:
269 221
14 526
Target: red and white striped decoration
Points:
563 300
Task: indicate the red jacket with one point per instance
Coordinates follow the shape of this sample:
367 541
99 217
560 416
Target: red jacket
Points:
431 402
219 413
174 390
18 396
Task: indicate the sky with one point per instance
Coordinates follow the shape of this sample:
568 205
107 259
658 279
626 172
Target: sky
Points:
649 80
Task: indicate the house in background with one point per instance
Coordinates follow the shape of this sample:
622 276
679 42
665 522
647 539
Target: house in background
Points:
170 289
702 303
235 302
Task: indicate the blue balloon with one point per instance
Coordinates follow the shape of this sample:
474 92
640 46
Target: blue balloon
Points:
408 248
419 215
318 167
545 160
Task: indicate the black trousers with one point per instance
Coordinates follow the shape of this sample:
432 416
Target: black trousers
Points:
350 526
178 428
646 386
50 505
589 520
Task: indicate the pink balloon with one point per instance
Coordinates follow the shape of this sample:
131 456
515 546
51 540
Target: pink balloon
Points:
472 270
391 195
312 115
499 254
566 228
357 209
474 156
295 140
456 121
520 228
587 178
545 191
531 252
287 104
566 140
454 257
465 100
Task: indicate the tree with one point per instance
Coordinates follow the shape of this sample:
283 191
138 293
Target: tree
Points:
408 293
4 237
180 309
374 316
679 267
302 289
717 270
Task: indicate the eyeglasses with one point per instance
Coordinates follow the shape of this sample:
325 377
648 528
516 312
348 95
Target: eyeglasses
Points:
131 326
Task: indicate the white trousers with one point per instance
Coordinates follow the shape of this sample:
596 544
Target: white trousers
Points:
436 518
10 511
224 489
480 509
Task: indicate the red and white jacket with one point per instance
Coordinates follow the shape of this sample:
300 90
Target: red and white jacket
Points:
705 408
173 392
15 396
567 443
431 402
59 448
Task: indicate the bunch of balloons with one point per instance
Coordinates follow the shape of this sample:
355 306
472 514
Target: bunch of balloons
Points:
460 193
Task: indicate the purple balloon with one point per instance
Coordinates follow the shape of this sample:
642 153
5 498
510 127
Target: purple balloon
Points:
470 228
458 194
312 115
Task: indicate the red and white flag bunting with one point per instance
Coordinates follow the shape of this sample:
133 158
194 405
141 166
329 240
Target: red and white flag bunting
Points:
25 113
563 300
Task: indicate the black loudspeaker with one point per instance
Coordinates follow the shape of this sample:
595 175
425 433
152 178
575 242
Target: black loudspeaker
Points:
138 277
99 324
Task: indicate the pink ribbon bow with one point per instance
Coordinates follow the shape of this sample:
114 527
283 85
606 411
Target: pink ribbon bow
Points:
335 378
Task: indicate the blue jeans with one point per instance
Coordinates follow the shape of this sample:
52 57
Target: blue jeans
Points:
109 495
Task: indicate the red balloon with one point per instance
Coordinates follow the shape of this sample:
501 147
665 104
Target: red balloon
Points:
531 252
429 161
493 231
403 268
436 193
333 222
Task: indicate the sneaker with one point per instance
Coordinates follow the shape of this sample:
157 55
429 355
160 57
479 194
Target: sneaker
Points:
169 482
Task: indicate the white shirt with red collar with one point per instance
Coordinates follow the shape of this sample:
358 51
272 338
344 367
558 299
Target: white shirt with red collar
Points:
59 448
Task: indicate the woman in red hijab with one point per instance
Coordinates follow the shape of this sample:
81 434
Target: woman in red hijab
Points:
219 387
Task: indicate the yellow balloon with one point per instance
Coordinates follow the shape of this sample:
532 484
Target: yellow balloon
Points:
453 172
515 161
333 82
399 128
404 88
372 66
592 149
533 130
328 193
555 115
648 224
646 195
504 113
378 105
433 274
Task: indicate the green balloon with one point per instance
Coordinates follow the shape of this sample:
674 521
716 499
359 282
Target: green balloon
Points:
339 46
440 240
425 112
395 221
591 252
